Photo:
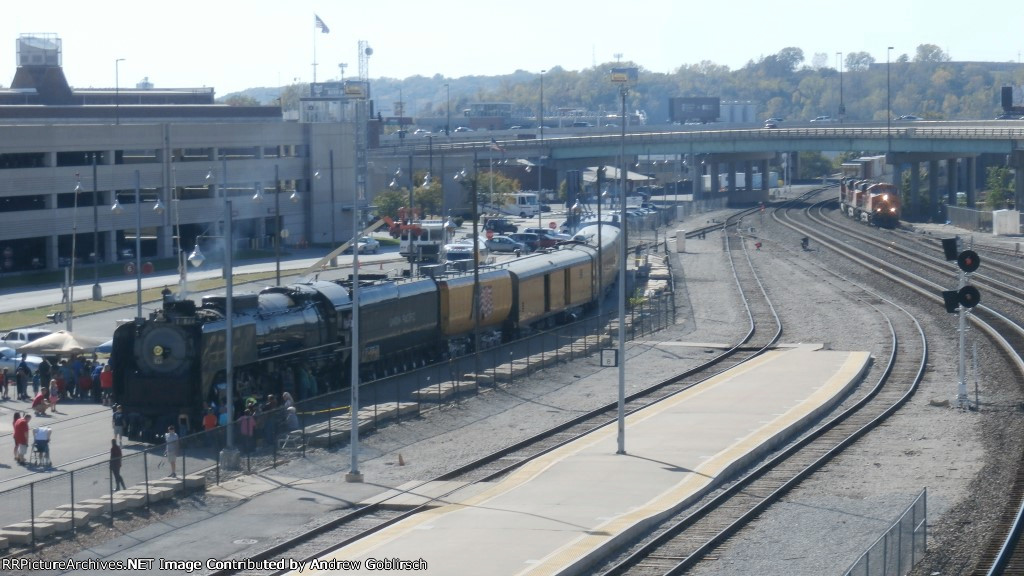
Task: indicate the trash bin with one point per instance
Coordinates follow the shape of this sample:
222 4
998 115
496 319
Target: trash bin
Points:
680 240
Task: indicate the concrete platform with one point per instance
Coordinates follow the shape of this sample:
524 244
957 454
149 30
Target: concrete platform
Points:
556 514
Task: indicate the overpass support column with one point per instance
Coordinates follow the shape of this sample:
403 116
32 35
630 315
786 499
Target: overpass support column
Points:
715 178
762 167
951 181
731 177
972 169
915 192
748 171
933 192
1017 164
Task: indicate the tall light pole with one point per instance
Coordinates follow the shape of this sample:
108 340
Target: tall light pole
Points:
842 108
229 455
888 103
448 122
74 235
97 290
138 249
623 77
117 90
540 111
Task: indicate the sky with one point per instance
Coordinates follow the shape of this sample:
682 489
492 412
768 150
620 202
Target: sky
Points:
231 45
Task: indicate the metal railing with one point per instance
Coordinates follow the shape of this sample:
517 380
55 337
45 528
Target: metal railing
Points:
901 547
970 219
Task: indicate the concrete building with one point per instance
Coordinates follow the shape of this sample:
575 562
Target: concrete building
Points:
73 162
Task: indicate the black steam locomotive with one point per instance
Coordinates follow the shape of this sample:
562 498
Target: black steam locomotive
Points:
297 338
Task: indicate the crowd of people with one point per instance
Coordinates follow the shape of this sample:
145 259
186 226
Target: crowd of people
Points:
64 379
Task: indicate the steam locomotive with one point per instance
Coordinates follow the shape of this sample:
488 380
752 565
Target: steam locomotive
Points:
297 338
877 203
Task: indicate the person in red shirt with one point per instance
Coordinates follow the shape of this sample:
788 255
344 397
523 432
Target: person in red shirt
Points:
106 384
21 438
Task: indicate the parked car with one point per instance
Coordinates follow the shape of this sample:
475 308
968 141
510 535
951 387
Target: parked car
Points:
9 358
825 119
500 226
545 208
505 244
548 237
532 241
908 118
367 244
462 129
420 132
770 124
17 338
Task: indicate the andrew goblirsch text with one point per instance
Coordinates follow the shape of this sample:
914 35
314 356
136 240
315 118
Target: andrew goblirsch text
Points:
22 565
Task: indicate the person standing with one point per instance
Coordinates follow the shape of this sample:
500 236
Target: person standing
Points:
115 465
17 416
118 421
44 371
247 426
107 384
3 385
171 446
21 375
21 438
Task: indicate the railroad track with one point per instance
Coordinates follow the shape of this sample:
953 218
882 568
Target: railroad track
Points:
333 533
998 319
681 544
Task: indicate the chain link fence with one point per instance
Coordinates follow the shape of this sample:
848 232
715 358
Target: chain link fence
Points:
901 547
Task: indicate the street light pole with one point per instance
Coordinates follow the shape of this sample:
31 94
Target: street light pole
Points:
888 104
138 249
277 225
448 122
623 90
74 235
842 108
97 290
117 90
540 112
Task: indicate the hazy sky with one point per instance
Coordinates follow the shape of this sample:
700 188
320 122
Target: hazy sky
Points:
231 45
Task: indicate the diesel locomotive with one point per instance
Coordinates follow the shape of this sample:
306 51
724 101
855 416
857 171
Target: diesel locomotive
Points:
297 338
877 203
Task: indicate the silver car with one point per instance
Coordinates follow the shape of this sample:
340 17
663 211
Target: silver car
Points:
10 358
505 244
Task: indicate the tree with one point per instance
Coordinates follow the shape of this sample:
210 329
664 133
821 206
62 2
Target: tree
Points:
859 61
428 198
999 193
241 100
930 53
814 165
390 201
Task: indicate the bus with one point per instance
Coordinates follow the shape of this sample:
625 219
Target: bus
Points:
522 204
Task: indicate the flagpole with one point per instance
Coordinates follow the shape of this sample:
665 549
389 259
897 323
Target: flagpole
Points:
315 27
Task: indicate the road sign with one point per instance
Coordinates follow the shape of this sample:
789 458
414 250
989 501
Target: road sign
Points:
129 268
552 225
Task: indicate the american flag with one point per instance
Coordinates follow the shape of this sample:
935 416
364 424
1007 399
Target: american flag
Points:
319 24
495 146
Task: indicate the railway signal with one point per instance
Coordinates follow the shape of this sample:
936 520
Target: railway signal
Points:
961 300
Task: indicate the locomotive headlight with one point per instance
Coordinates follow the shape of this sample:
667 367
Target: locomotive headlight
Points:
885 197
158 350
